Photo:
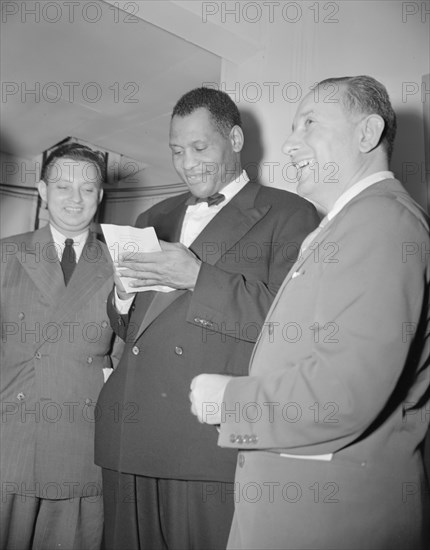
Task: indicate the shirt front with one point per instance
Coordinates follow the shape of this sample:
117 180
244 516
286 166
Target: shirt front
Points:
197 216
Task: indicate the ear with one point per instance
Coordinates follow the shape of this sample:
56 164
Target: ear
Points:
371 129
100 195
236 138
43 190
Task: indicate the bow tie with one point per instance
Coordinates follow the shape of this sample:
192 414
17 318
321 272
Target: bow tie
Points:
212 200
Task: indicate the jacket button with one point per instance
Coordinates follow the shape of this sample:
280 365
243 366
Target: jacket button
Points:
38 355
233 438
87 401
253 439
178 350
89 360
21 316
241 460
239 439
104 324
20 396
135 350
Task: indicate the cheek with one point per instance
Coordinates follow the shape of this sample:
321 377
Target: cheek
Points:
176 163
91 203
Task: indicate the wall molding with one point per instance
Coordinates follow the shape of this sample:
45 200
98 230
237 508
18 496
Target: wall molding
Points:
18 191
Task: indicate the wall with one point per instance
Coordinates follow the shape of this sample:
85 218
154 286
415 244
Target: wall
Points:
304 42
18 193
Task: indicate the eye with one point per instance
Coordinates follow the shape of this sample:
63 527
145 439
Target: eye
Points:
200 148
89 189
176 152
309 121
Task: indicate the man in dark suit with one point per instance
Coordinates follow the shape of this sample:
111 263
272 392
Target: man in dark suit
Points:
166 483
56 339
339 378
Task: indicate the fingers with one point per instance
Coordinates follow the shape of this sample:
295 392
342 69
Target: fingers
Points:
139 283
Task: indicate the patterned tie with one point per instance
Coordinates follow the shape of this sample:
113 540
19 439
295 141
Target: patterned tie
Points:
68 260
212 200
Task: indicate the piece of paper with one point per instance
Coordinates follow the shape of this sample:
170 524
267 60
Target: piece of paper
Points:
129 240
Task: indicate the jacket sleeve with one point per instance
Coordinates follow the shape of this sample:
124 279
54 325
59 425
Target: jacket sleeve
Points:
377 298
225 300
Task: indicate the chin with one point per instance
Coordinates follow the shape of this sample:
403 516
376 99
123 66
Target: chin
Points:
303 189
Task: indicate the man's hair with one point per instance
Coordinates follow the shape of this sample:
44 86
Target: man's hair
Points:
222 108
364 94
78 152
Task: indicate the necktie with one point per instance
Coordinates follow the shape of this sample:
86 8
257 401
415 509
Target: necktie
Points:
212 200
68 260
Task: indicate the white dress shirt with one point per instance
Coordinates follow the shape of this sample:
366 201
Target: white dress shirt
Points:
197 216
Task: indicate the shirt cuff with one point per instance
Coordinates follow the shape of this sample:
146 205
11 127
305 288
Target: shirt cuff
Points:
122 306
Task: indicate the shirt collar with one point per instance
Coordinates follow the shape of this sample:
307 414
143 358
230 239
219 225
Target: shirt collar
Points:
59 238
232 188
357 188
229 191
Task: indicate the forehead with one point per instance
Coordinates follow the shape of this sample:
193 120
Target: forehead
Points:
322 105
197 123
74 170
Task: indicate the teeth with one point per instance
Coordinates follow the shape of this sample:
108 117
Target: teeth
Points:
302 163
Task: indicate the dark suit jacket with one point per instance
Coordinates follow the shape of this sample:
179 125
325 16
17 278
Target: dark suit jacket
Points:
342 367
145 426
55 342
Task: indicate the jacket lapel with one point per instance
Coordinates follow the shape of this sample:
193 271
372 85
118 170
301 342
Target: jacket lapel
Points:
391 186
42 265
229 226
169 223
219 236
92 271
168 228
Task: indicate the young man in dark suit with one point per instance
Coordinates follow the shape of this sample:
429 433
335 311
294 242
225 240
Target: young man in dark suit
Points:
56 340
166 483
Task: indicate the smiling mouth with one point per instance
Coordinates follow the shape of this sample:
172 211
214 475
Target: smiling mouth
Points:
73 209
302 164
199 178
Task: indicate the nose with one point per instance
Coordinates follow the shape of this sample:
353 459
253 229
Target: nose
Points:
291 145
189 161
75 194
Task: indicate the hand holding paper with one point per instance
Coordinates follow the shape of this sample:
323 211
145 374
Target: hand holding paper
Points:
142 263
174 266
